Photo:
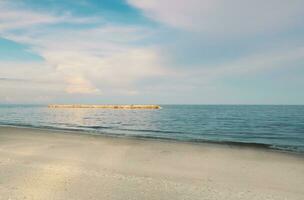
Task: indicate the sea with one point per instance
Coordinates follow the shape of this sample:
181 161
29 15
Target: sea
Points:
278 127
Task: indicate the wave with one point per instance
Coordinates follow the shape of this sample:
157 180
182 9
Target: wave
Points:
93 130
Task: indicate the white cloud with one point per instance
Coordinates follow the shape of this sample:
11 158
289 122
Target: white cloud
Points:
86 59
35 71
16 18
29 82
222 17
217 19
107 59
80 85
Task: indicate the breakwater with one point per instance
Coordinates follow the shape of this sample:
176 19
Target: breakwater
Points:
139 106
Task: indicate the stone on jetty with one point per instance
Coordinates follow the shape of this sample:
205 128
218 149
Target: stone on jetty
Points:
104 106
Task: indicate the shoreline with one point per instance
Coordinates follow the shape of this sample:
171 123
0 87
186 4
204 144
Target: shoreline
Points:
44 164
229 144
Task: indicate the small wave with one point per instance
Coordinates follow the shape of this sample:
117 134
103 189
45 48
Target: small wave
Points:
184 137
151 131
94 127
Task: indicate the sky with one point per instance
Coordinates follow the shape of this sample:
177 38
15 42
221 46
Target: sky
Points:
152 51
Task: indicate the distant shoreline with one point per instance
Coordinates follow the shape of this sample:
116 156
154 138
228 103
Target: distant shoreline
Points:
138 106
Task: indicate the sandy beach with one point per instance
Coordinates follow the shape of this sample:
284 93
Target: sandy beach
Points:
42 164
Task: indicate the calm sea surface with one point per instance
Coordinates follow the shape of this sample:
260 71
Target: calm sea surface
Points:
278 127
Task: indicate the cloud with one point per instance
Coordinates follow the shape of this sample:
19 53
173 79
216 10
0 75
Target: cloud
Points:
221 17
22 80
35 71
80 85
16 18
13 79
89 57
28 82
86 59
223 27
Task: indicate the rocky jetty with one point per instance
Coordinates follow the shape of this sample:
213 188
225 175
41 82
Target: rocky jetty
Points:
104 106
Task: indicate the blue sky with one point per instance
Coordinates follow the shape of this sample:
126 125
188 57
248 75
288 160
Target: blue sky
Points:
152 51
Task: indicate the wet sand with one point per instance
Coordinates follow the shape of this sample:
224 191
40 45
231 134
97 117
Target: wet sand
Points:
43 164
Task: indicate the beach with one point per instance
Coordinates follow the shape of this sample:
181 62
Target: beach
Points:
45 164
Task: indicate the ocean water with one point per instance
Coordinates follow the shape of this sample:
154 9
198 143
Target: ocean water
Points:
277 127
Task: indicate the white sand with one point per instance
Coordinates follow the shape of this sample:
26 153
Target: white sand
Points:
40 164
